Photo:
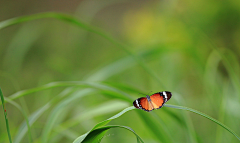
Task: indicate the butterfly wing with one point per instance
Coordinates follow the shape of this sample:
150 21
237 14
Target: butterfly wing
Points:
169 95
160 98
157 100
142 103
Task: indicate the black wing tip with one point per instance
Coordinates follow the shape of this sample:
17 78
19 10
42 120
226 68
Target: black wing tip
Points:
169 95
135 104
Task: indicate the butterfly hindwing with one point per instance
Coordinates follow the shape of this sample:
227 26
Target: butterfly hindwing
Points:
142 103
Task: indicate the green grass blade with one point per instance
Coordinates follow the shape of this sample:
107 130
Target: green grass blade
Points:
58 110
81 138
114 117
27 18
222 111
28 128
227 63
5 115
44 87
96 135
23 128
95 30
204 115
34 116
185 120
99 110
111 69
114 92
16 58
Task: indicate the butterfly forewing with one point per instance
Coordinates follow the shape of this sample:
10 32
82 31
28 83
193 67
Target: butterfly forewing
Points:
169 95
157 100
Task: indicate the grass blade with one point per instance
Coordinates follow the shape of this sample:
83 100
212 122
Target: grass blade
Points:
114 92
99 110
5 115
204 115
106 108
82 138
158 131
23 128
34 116
96 135
95 30
28 128
58 110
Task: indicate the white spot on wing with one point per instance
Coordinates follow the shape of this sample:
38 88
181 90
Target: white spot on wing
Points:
165 96
137 103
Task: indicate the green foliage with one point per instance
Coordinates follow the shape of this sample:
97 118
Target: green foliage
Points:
98 75
5 115
97 132
206 116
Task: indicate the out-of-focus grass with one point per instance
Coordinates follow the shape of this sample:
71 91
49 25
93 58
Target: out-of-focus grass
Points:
174 46
5 116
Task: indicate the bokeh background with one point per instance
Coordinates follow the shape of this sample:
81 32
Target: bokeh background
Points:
192 48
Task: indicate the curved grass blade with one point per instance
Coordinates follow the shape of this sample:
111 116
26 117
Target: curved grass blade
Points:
82 138
34 116
27 18
230 65
23 128
106 108
222 111
58 110
97 135
114 92
157 131
111 69
5 115
185 120
99 110
87 27
204 115
28 128
16 58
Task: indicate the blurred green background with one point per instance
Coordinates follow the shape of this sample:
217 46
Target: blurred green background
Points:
190 48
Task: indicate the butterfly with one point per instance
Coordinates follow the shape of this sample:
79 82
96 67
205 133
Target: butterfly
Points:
155 101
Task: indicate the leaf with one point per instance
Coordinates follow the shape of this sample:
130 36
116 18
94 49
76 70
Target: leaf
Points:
95 136
204 115
98 132
114 92
23 128
95 30
27 125
106 108
34 116
58 110
5 115
157 131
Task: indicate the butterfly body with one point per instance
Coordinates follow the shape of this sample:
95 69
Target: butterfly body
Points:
155 101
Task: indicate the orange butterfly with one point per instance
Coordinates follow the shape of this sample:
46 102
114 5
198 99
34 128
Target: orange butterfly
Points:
155 101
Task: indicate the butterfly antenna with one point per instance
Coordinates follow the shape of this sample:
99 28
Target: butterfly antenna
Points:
142 94
149 92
